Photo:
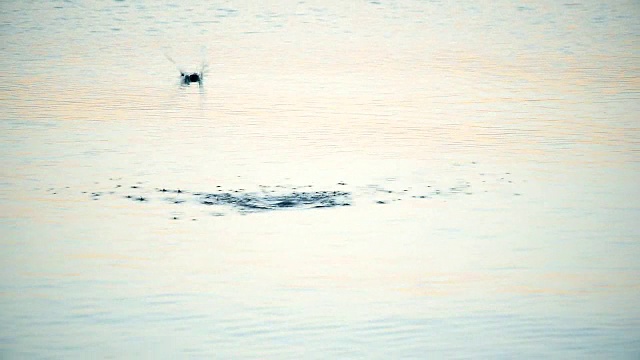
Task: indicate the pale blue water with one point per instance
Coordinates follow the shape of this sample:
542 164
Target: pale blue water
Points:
404 179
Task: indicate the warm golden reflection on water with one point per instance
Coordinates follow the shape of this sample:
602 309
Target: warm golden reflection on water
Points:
374 179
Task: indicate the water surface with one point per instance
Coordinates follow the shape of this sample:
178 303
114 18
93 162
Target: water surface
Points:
383 179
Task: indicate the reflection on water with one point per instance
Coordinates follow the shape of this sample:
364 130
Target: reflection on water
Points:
488 155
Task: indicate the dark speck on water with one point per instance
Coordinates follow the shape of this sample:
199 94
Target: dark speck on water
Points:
285 203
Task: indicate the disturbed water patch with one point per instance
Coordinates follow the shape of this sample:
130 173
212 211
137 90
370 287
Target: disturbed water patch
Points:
265 198
219 200
266 201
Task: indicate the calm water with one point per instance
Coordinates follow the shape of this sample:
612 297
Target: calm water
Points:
476 169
